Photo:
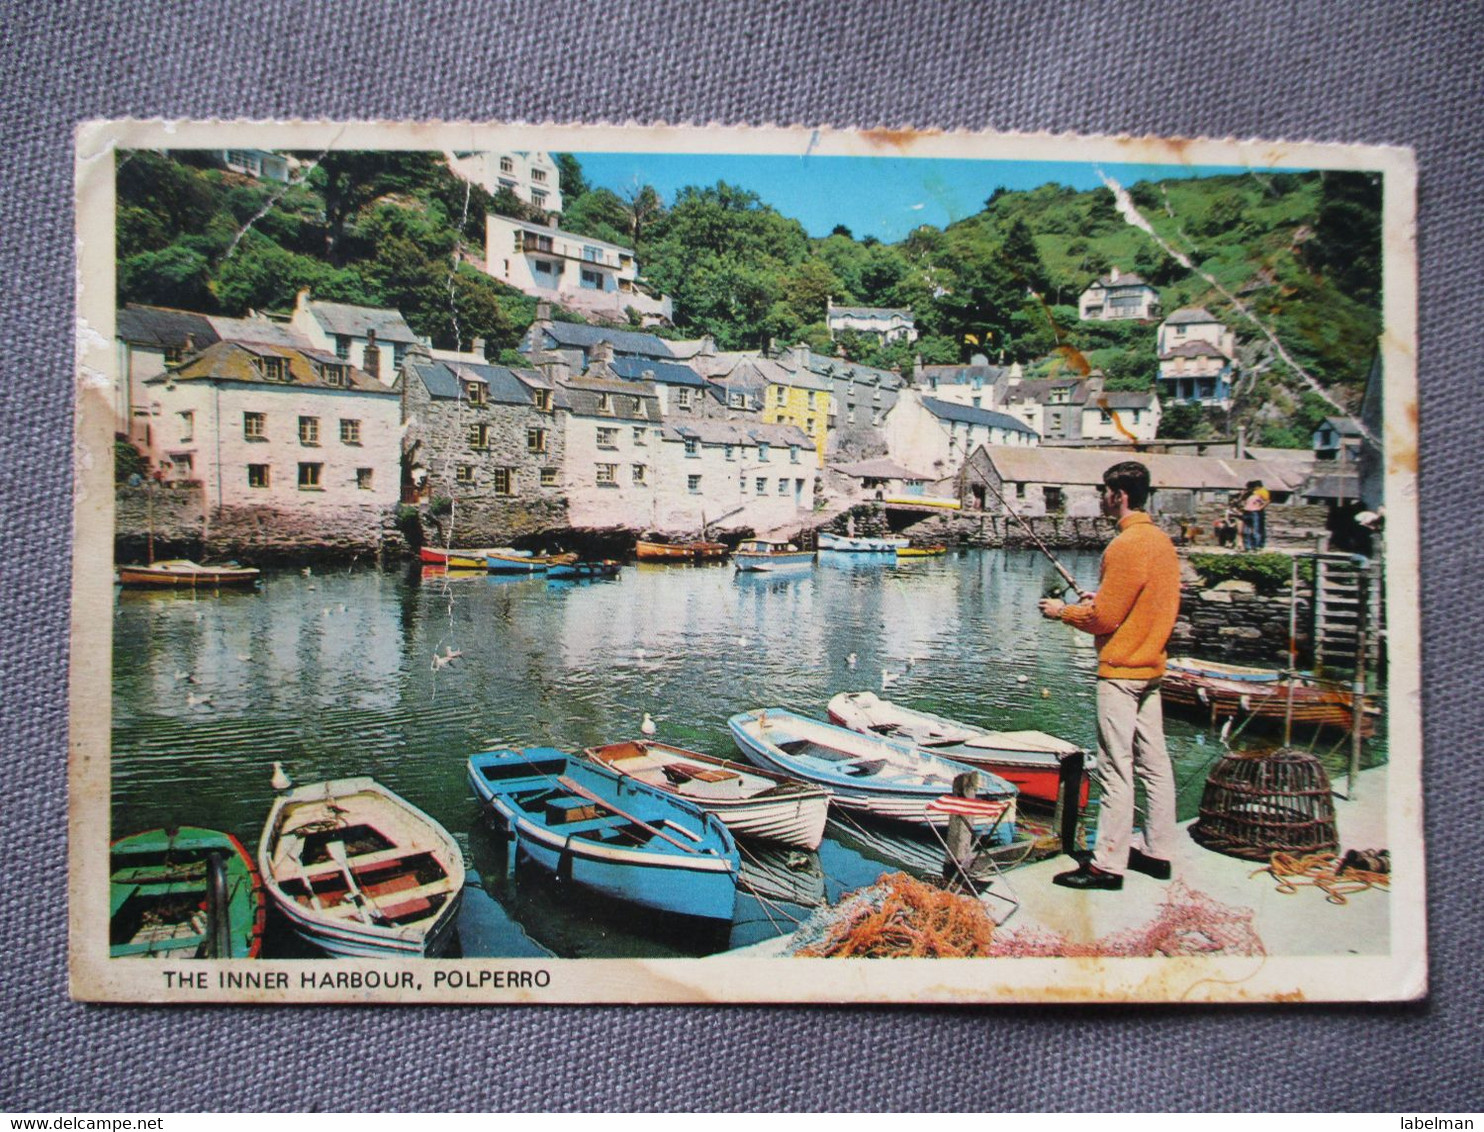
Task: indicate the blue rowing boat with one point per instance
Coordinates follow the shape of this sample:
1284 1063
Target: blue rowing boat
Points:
609 832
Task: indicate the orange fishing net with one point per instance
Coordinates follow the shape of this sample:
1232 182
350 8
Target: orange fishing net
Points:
1188 922
899 917
1338 879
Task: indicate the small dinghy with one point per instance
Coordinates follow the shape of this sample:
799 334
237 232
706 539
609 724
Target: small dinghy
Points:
861 544
584 570
652 550
1213 690
766 556
357 870
184 893
524 562
602 830
868 774
176 572
753 803
1029 760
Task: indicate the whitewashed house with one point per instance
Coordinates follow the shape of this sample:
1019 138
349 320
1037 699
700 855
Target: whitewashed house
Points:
1195 324
1118 296
148 340
936 436
294 435
373 339
730 475
580 272
531 175
885 324
1120 414
611 460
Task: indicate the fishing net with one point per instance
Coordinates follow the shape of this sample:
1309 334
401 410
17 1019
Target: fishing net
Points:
897 917
1188 923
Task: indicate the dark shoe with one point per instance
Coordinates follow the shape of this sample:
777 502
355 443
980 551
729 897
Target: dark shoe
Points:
1156 867
1089 876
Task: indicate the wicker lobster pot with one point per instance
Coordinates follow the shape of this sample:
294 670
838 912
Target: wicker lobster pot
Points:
1259 803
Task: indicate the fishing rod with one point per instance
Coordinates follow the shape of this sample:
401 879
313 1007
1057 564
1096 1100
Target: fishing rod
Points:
1041 546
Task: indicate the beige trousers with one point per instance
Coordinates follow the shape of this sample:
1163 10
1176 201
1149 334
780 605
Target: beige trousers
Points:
1131 741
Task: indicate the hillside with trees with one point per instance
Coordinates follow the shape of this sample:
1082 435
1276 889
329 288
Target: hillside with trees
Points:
1300 251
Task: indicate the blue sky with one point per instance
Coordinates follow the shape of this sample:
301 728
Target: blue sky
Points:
872 196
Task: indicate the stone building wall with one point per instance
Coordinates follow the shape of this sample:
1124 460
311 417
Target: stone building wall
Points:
1232 622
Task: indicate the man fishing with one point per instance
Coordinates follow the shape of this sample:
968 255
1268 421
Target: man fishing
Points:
1131 616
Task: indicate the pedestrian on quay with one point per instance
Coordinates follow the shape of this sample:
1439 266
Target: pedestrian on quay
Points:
1255 502
1131 617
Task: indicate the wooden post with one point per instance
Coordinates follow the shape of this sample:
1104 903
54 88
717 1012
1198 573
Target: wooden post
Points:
1358 685
960 840
1293 643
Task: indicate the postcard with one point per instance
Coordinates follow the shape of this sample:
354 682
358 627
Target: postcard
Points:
564 563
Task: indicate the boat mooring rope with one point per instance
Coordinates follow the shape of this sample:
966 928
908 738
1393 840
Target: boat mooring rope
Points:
1338 879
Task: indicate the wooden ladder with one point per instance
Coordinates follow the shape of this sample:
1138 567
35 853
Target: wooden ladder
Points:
1343 592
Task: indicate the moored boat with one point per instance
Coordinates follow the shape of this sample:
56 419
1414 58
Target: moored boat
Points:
470 559
358 870
766 555
752 802
577 571
1213 690
860 544
934 550
185 893
1028 760
652 550
869 774
609 832
184 572
523 562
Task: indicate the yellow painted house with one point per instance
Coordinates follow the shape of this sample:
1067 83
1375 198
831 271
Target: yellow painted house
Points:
799 398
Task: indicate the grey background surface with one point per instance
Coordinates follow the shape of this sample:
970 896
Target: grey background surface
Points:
1361 72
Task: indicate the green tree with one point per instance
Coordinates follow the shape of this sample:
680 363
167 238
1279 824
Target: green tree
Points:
570 177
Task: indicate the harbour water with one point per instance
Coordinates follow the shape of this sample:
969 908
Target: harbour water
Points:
332 674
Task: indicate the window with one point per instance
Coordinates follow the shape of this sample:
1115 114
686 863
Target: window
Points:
475 392
350 432
607 475
783 487
535 440
641 473
639 437
811 401
592 280
542 399
539 176
257 475
479 436
810 426
254 426
548 477
693 449
504 481
182 462
780 395
275 369
737 400
742 484
793 453
546 267
538 197
607 437
364 478
507 165
337 375
342 345
682 398
762 485
592 254
187 426
309 430
731 451
1053 498
543 244
399 351
605 404
309 475
1020 491
762 453
693 484
464 473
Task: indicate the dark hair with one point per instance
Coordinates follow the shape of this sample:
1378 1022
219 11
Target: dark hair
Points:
1253 483
1131 478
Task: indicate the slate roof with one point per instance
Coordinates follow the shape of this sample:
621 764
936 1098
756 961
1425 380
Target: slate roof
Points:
1122 399
504 386
163 328
582 394
947 411
254 330
1345 426
241 361
1337 485
964 375
715 431
1190 314
878 469
1036 390
1082 466
873 312
634 368
1124 280
586 337
1196 348
342 318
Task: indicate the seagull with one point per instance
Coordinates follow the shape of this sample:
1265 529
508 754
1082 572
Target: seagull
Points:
186 676
280 780
889 678
1022 679
648 726
306 571
911 663
443 660
244 657
850 660
194 700
1045 693
743 642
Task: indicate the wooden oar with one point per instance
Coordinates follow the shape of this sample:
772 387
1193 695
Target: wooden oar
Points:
583 792
336 849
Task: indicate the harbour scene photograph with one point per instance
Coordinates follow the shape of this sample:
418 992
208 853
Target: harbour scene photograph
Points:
717 553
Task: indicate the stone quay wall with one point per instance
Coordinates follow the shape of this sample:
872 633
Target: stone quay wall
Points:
1231 621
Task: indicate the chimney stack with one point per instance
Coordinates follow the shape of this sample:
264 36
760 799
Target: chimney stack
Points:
371 355
543 312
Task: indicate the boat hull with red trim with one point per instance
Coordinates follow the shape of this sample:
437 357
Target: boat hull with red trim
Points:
647 550
1262 695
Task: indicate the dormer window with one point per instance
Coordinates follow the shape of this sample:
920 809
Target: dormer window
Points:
682 398
539 176
542 399
507 165
474 392
738 400
605 404
335 374
762 453
275 369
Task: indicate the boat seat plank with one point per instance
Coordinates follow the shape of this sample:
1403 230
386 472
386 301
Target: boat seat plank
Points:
165 946
362 861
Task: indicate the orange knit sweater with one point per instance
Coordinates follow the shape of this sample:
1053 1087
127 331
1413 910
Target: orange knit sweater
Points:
1136 604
